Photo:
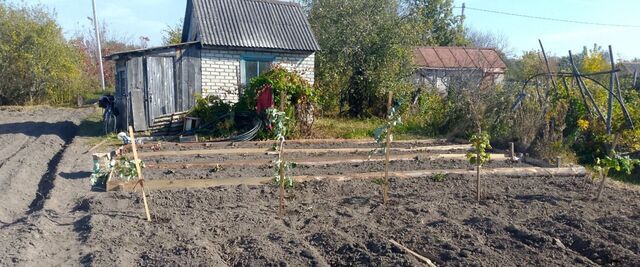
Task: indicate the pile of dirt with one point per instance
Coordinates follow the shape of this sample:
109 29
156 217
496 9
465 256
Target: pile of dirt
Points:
535 221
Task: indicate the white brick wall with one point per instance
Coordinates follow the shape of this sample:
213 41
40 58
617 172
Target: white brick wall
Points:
221 69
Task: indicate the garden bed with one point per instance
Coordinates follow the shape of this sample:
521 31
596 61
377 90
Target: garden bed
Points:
539 221
222 209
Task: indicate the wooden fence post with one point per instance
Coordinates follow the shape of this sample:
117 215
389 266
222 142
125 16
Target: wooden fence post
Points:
139 171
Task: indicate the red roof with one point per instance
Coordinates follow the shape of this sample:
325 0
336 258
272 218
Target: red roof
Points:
446 57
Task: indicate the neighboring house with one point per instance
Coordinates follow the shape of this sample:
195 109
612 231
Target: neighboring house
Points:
444 67
631 69
225 44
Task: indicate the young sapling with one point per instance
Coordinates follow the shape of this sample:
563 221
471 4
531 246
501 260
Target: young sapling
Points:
383 136
479 156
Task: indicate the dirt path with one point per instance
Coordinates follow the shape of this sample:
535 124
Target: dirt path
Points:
43 171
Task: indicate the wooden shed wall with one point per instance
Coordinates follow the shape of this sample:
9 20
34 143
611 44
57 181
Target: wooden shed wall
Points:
155 83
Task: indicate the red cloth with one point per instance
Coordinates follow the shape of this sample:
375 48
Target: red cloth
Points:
265 98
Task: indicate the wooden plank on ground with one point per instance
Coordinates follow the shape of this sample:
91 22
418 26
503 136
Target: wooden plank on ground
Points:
236 151
418 142
316 161
158 184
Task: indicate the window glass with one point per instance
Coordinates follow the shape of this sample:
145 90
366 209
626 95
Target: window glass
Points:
251 70
264 66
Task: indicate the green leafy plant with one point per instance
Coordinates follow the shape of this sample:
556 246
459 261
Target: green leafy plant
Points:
214 114
479 156
99 178
298 104
383 136
618 163
278 120
438 177
125 169
380 134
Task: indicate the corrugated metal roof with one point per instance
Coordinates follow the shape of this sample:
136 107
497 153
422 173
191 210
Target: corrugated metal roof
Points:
444 57
253 24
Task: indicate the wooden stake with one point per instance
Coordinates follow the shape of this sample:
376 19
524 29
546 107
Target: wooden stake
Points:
512 153
478 168
385 186
420 257
281 172
603 177
139 171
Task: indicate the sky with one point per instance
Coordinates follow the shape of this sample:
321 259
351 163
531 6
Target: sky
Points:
134 18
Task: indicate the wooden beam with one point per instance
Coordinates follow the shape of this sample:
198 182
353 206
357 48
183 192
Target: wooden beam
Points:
299 141
157 184
316 161
420 257
236 151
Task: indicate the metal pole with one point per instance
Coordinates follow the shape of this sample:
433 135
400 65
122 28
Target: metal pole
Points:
95 25
462 15
611 86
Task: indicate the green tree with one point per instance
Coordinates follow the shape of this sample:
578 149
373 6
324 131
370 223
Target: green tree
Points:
172 34
36 62
365 53
435 22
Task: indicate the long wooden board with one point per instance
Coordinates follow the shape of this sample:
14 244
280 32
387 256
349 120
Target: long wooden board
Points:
303 141
574 171
315 161
239 151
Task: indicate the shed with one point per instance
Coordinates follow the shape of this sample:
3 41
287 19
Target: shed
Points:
226 43
155 82
438 66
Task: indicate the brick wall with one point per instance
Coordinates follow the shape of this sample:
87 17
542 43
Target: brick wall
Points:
221 69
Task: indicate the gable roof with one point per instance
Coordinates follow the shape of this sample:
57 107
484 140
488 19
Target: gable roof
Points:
249 24
630 67
446 57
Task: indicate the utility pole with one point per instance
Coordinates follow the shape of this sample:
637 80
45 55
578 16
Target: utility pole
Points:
462 15
95 25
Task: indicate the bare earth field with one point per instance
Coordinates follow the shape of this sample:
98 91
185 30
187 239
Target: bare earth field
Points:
49 216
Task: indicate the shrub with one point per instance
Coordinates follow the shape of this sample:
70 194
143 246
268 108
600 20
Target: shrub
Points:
299 93
37 65
214 114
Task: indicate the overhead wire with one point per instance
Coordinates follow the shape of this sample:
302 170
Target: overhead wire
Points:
549 18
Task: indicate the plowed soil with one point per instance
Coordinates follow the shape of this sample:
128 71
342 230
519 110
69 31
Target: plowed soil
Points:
542 221
49 216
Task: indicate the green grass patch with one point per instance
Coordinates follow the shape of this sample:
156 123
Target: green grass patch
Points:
347 128
91 128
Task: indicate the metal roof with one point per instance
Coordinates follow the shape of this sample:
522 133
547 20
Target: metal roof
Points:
115 55
250 24
445 57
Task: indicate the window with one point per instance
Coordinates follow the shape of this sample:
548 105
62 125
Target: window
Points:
253 67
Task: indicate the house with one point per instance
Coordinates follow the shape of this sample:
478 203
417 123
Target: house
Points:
225 43
631 69
444 67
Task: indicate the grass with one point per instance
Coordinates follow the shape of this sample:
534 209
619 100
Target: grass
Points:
346 128
91 129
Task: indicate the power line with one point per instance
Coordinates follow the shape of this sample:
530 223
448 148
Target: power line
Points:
550 19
